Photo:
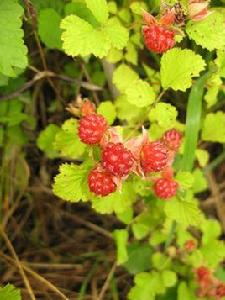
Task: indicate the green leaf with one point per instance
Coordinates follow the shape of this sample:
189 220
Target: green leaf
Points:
124 76
212 121
126 216
49 28
140 230
218 250
169 278
112 7
202 157
117 202
80 38
71 182
177 68
67 141
200 183
193 119
213 86
184 212
9 292
140 93
139 257
184 292
185 179
131 54
121 237
114 55
203 32
107 109
161 261
117 34
220 61
164 114
99 9
211 230
46 139
138 7
57 5
13 52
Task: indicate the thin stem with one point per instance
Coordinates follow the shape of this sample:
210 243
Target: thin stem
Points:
171 234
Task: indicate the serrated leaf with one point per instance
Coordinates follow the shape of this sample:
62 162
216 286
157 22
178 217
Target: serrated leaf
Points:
220 61
67 142
13 52
211 230
200 182
9 292
46 139
49 28
177 68
185 179
212 121
140 93
164 114
139 257
124 76
107 109
117 33
71 182
169 278
218 250
80 38
184 212
140 230
117 202
114 55
209 33
99 9
121 237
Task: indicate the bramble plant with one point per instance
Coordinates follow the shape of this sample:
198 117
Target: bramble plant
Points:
135 144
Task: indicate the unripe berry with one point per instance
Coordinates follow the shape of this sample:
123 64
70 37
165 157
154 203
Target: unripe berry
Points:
154 157
117 159
172 139
101 182
92 128
158 38
190 245
165 188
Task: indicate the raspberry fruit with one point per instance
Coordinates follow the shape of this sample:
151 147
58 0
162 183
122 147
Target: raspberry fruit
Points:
117 159
158 38
101 182
202 273
172 139
154 157
165 188
92 128
220 290
190 245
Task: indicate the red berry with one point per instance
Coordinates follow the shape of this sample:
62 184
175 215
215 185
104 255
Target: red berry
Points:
154 157
190 245
158 38
165 188
92 128
202 273
101 182
117 159
172 139
220 290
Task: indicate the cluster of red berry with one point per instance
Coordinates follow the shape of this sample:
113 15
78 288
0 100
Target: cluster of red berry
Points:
208 285
119 159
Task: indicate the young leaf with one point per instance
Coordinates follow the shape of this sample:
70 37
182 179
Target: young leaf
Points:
177 68
67 142
46 139
209 33
71 182
49 28
99 9
13 52
9 292
121 236
184 212
117 202
107 109
164 114
214 121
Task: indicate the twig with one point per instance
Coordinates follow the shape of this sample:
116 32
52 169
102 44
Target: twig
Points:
107 282
37 276
18 264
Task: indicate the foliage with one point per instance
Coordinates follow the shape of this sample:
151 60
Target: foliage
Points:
98 52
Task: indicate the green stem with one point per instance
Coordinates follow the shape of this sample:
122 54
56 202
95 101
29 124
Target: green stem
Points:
171 234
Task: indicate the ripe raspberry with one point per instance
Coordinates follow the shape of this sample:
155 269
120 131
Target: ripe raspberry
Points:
220 290
165 188
158 38
172 139
190 245
101 182
117 159
202 273
92 128
153 157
